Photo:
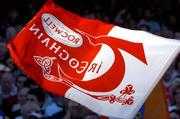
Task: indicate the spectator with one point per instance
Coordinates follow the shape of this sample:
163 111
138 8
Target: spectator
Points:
91 116
27 109
17 15
144 27
2 115
174 114
8 92
22 99
55 108
177 35
169 26
75 111
176 98
37 96
10 32
10 64
176 94
7 88
20 81
35 115
3 52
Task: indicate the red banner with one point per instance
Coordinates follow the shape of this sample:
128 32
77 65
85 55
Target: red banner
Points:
85 61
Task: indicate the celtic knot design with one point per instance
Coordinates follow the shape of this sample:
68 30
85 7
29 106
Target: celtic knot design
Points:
125 95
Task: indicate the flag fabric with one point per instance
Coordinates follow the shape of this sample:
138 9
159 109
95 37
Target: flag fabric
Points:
109 69
155 107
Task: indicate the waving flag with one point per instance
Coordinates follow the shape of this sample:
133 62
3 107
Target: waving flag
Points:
109 69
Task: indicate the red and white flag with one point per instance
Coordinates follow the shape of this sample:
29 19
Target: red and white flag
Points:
109 69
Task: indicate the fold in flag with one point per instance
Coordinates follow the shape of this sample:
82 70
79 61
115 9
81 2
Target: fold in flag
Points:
109 69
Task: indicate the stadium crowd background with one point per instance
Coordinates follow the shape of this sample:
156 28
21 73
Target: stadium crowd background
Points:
22 98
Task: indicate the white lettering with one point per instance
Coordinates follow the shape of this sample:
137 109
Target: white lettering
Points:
60 32
55 47
73 63
34 29
79 66
46 41
64 55
40 35
82 67
95 67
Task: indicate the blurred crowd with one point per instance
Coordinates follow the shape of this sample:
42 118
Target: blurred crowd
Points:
22 98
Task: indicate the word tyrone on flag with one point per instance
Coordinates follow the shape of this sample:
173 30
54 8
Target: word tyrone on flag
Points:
109 69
